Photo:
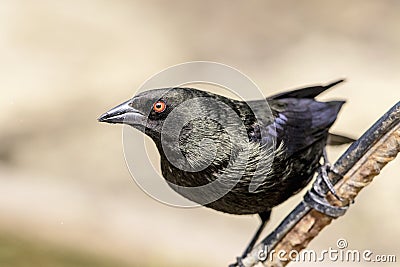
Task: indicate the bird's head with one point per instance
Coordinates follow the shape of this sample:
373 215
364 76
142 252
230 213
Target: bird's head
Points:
149 110
146 111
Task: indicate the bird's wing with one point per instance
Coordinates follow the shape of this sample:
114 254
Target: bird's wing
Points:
299 120
306 92
299 123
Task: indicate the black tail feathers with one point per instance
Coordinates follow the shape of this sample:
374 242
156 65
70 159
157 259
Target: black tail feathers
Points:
337 140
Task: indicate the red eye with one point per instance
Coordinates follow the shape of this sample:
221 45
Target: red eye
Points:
159 106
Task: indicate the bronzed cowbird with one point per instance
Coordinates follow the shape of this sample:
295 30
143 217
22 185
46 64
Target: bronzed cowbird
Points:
276 144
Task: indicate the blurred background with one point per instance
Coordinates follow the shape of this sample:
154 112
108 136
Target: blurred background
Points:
66 196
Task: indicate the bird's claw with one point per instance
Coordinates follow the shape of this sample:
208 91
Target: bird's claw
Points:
323 174
316 197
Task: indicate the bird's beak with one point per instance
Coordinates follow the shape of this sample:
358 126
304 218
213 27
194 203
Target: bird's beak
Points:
123 113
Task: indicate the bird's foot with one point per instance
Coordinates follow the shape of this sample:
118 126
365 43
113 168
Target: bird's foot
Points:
316 197
323 173
238 263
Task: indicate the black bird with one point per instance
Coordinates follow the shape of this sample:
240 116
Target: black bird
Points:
198 136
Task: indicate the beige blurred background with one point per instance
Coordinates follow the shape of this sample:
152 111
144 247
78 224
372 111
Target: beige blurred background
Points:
66 196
